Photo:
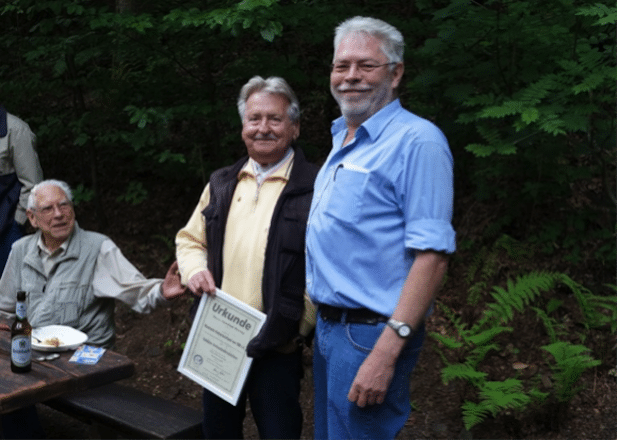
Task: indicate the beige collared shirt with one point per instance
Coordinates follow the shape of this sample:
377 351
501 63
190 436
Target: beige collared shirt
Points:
245 238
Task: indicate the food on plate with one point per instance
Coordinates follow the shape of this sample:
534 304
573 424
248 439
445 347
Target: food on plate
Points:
52 341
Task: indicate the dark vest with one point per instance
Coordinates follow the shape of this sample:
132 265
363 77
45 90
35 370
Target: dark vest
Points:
283 285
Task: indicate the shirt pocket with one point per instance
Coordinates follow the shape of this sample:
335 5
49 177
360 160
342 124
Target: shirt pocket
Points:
346 199
69 304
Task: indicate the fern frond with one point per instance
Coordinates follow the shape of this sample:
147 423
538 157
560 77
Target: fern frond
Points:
461 371
520 293
453 318
548 323
552 124
477 355
535 92
473 414
449 342
507 108
484 150
571 361
495 396
592 305
487 335
606 14
507 394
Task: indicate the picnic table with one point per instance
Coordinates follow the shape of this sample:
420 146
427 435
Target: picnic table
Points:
50 379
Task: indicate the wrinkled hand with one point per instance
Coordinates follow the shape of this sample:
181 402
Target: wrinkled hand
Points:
202 282
372 381
172 287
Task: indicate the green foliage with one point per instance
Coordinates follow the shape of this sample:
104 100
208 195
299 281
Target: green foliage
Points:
465 350
570 362
532 88
135 193
598 311
497 396
517 295
526 94
486 263
82 194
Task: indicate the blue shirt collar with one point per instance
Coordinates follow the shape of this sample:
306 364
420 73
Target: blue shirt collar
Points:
374 125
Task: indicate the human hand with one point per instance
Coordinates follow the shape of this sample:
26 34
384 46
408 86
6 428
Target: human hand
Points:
372 381
171 287
202 282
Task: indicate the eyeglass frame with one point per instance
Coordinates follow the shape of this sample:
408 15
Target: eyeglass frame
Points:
64 207
363 66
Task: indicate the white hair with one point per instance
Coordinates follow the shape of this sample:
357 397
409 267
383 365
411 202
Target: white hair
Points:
392 40
273 85
48 183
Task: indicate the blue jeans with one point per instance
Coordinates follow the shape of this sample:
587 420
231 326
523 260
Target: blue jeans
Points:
273 389
6 241
339 350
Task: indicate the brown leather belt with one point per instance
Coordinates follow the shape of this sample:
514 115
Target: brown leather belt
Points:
360 315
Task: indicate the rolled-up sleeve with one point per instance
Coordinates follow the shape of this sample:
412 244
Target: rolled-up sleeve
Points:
191 241
428 199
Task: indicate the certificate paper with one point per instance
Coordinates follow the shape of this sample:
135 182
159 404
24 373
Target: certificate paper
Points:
215 352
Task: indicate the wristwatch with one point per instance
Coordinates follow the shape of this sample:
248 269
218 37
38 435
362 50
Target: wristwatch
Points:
402 329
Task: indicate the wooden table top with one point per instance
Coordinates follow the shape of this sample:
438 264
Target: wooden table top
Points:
49 379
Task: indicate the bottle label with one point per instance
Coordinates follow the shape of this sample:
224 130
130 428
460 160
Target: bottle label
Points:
20 310
21 354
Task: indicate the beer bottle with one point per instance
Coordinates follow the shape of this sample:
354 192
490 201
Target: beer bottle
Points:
21 352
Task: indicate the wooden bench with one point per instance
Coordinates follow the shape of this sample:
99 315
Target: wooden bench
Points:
116 409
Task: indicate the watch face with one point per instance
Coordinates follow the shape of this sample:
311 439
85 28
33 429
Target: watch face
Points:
404 331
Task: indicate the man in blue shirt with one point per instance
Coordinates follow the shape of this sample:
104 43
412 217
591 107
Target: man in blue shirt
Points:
378 236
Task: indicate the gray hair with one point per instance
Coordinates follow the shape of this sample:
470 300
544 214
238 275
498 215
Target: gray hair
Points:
273 85
392 40
48 183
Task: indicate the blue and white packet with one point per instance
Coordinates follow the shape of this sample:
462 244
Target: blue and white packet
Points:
87 354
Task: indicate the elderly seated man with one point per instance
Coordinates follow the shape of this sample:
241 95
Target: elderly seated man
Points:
72 278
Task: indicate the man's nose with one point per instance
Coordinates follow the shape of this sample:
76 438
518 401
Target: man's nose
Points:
353 73
57 211
263 126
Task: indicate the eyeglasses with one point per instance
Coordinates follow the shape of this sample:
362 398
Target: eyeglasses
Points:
48 210
363 67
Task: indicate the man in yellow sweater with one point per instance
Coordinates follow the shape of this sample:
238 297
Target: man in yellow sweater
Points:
247 237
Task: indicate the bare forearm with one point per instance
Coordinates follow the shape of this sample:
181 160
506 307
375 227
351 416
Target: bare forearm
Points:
375 374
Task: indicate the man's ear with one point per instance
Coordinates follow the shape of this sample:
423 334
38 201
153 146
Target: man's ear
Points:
32 219
297 131
397 74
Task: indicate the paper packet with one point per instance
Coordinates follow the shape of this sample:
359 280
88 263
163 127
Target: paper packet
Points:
86 354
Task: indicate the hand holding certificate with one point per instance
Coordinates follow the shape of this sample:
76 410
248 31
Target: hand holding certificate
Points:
215 352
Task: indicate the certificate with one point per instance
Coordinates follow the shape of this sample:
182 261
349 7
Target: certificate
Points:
215 353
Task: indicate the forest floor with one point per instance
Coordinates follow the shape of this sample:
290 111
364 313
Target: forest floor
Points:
154 341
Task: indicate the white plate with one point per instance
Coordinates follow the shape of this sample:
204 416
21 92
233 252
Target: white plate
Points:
69 338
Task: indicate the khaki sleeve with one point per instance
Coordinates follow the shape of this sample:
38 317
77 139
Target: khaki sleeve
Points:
27 166
307 323
191 241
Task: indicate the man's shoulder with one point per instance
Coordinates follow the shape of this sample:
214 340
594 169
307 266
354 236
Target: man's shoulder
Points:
15 123
234 169
23 242
414 127
92 236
